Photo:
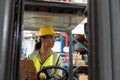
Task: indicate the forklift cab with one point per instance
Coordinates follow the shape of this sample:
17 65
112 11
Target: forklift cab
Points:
103 21
30 15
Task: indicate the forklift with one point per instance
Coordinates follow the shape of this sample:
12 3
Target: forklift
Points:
103 22
61 15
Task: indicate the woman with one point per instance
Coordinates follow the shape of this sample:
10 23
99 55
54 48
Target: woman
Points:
43 55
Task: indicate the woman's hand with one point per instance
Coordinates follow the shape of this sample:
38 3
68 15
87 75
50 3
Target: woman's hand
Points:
42 77
33 75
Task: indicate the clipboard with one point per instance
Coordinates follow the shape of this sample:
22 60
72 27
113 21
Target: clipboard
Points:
25 66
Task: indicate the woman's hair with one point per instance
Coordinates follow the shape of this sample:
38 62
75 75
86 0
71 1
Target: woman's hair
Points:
38 44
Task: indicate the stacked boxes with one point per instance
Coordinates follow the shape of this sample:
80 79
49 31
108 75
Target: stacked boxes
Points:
77 59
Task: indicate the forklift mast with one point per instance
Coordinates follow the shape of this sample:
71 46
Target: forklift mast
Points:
10 38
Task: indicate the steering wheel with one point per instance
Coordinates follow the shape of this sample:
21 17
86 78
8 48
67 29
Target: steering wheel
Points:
47 70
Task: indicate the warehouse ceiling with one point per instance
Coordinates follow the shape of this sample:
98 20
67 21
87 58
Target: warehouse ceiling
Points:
62 16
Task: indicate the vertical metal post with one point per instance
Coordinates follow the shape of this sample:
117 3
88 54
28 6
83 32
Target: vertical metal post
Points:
19 8
10 33
104 39
70 56
6 38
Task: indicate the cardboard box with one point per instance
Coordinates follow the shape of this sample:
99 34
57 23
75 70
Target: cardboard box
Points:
79 56
83 77
79 61
74 55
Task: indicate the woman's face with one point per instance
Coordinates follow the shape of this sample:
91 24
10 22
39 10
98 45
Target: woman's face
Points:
48 41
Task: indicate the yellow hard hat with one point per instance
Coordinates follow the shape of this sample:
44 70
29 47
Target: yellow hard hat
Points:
46 30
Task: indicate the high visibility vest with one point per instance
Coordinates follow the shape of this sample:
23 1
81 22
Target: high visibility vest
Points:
51 60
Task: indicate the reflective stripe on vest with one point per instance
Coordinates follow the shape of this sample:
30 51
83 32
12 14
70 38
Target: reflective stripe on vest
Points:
51 60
